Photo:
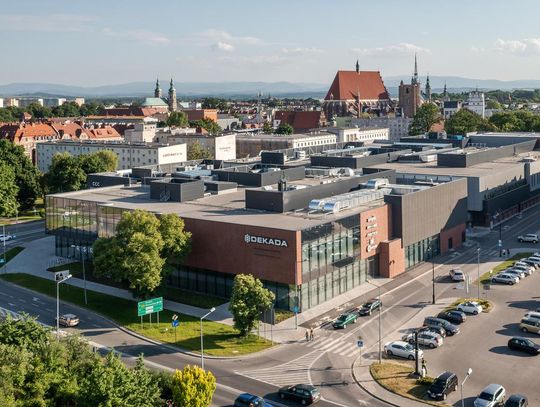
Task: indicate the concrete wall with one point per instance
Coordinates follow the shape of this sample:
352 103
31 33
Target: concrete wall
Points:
178 191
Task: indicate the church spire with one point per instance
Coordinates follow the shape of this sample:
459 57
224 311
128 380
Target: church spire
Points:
172 97
157 90
357 66
445 92
428 89
415 75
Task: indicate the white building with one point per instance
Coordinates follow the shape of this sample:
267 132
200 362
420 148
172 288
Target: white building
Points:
450 108
24 102
222 147
129 154
1 102
366 135
476 103
144 132
397 126
54 102
11 102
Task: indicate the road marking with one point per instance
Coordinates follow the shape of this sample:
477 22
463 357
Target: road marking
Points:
11 305
21 300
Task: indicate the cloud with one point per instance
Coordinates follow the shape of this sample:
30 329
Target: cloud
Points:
145 36
527 46
477 50
45 23
301 51
390 50
213 35
223 46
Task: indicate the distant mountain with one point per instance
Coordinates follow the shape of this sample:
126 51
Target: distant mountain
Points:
247 89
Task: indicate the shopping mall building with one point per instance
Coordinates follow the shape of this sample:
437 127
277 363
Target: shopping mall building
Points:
309 233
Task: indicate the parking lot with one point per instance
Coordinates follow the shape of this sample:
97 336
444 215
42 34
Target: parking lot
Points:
482 343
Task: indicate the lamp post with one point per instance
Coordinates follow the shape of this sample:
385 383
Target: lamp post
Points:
432 255
469 371
478 272
59 277
498 216
202 347
4 242
380 326
81 250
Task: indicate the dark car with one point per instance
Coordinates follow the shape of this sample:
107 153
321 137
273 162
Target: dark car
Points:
524 345
301 393
450 329
444 384
455 317
344 319
516 400
435 329
250 400
369 307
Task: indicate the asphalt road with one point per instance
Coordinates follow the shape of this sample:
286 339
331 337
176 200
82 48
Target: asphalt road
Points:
24 232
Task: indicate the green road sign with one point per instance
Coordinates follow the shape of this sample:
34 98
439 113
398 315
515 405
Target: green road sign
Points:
149 306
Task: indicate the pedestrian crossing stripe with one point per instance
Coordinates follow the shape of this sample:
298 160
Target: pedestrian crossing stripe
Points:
337 346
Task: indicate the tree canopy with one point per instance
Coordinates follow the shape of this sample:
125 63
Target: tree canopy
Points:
209 125
426 116
68 109
196 151
193 387
464 121
249 298
215 103
284 128
177 119
8 191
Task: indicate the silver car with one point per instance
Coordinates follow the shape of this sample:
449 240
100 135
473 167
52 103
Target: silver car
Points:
491 396
516 272
402 349
505 279
429 339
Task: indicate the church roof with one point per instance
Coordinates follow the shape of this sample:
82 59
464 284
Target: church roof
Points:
347 84
154 102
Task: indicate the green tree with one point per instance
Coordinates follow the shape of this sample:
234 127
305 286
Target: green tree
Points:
493 104
177 119
65 174
8 191
284 128
426 116
193 387
39 112
209 125
26 175
176 241
249 298
215 103
465 121
100 161
267 127
196 151
68 109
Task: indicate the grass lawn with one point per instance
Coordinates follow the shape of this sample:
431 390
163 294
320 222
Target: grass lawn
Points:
219 339
487 306
395 377
484 278
281 315
11 253
26 215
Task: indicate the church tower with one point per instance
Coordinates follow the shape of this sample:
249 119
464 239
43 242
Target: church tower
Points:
428 89
157 90
172 97
410 95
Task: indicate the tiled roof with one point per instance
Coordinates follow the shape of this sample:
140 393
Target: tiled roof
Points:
107 132
16 131
301 120
73 130
347 84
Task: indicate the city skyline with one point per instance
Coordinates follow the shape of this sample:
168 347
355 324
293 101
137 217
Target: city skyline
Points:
102 43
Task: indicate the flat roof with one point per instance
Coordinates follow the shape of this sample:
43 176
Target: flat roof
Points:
262 136
226 208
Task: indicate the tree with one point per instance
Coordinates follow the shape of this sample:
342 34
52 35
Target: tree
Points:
176 241
214 103
193 387
464 121
209 125
26 174
426 116
177 119
493 104
267 127
39 112
67 109
196 151
65 174
284 128
100 161
8 191
249 298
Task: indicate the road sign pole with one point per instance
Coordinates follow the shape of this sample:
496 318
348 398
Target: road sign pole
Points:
158 318
150 315
57 308
141 323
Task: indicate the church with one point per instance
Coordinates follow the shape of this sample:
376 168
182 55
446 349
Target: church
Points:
355 92
161 104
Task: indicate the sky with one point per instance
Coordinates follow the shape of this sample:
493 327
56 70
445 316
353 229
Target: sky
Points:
97 42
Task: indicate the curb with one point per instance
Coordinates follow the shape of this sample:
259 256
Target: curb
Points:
365 389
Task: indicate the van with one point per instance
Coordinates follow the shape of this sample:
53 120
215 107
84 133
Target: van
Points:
444 384
450 329
530 325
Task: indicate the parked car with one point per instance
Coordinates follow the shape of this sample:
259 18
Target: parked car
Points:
430 339
491 396
370 306
450 329
524 345
454 316
516 400
301 393
518 273
530 263
402 350
527 268
535 260
457 275
529 238
435 329
5 238
250 400
505 279
470 307
532 315
68 320
444 384
345 319
530 325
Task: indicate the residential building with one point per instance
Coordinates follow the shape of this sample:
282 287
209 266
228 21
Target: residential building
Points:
300 121
228 122
451 107
199 114
476 103
250 145
353 134
25 102
54 102
28 135
398 127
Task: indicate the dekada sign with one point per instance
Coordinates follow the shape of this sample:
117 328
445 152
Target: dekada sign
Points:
265 240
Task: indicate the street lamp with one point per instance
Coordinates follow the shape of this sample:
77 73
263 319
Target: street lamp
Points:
202 348
498 216
4 242
59 277
478 272
380 329
432 255
81 250
462 383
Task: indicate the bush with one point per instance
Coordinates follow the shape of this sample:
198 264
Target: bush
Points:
428 381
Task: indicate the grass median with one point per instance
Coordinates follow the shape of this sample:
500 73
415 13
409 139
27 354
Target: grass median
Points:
486 277
396 377
487 306
10 254
219 339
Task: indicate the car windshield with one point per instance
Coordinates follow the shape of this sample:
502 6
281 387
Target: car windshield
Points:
409 347
528 342
486 396
367 305
342 317
314 392
438 384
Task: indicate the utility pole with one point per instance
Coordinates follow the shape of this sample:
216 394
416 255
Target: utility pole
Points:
478 271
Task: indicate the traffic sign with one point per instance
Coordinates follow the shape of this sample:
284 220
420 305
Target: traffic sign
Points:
360 344
60 276
174 317
149 306
500 243
295 309
175 323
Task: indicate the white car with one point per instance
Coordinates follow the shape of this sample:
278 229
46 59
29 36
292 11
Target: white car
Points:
402 349
529 238
457 275
532 315
517 273
525 269
429 339
491 396
5 238
470 307
535 260
505 279
525 266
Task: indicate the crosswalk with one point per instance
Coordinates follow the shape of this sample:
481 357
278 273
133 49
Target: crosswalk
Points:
333 345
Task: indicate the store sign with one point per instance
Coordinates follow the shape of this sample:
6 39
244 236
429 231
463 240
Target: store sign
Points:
265 240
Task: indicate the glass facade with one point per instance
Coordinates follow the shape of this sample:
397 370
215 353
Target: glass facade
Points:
331 263
420 251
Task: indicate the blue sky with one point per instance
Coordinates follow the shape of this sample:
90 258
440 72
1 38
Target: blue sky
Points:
96 42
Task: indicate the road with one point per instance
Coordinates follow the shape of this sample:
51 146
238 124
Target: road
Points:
326 361
24 232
